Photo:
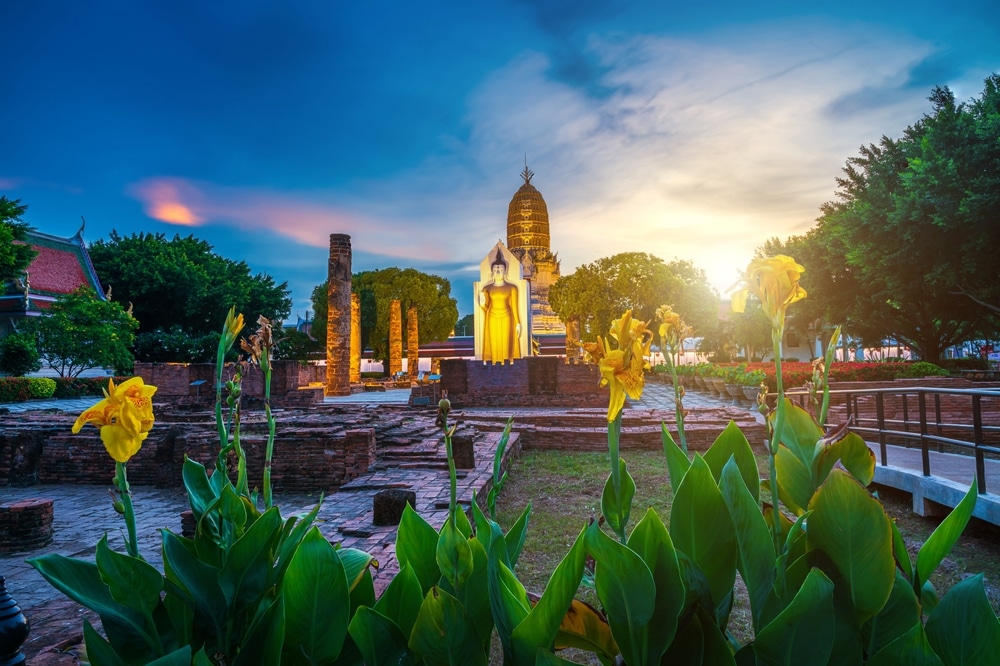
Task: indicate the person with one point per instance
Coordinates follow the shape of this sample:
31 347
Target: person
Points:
501 324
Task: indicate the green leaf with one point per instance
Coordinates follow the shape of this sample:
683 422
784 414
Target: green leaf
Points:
179 657
99 650
199 581
941 541
379 639
911 649
627 592
481 522
616 507
803 632
401 600
585 628
475 594
963 629
292 533
688 648
462 522
454 557
651 541
851 527
132 582
443 632
800 433
795 483
900 553
899 614
508 600
516 535
245 576
356 564
264 640
315 586
546 658
853 453
701 527
416 545
732 443
717 650
677 461
200 492
753 539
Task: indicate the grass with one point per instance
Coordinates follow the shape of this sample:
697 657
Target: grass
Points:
564 489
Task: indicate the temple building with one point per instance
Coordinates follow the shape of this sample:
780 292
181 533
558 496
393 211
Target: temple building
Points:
528 240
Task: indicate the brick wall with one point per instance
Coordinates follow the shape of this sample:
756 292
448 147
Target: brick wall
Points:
534 382
287 386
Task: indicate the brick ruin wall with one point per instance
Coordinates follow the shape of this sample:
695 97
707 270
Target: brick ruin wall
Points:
537 381
290 382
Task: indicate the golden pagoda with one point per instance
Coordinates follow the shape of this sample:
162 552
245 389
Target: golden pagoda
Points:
528 240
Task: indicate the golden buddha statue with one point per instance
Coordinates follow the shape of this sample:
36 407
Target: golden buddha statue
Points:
502 325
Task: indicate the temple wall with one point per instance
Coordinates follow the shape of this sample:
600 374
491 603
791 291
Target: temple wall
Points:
541 381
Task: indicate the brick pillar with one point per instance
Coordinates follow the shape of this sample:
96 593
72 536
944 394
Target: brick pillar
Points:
338 322
412 343
355 339
395 338
572 336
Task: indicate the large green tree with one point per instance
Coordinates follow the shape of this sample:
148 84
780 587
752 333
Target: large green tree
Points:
437 310
599 292
14 257
916 220
182 282
81 331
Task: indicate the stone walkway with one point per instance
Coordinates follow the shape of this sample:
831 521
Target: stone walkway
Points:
83 514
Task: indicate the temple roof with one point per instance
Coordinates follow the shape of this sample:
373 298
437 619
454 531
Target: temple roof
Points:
527 219
61 266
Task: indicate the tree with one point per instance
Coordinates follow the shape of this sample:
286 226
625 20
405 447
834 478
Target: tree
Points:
81 331
916 218
466 325
182 282
18 354
599 292
14 256
437 311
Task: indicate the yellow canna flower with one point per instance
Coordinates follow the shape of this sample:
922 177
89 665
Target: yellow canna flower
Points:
625 377
232 327
775 282
672 329
125 417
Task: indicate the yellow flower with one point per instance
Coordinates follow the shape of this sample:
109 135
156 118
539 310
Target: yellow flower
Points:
775 282
672 329
125 417
232 327
624 377
633 336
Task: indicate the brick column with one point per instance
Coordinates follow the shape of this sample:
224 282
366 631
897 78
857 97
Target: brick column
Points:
395 337
338 322
412 343
355 339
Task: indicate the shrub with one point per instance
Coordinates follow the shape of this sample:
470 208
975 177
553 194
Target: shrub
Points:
41 387
970 363
14 389
77 387
920 369
18 355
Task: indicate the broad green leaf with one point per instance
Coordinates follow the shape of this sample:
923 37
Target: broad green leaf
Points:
315 586
443 632
356 564
753 539
802 633
963 629
265 638
233 510
717 651
701 527
416 545
245 575
132 582
688 648
401 600
911 649
651 541
201 659
853 453
508 600
481 522
795 484
99 650
900 553
800 433
454 557
677 462
732 443
197 580
627 592
539 628
616 507
851 527
199 489
941 541
516 535
179 657
292 533
379 639
475 594
899 614
546 658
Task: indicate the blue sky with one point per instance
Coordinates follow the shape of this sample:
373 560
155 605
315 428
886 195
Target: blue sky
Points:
687 130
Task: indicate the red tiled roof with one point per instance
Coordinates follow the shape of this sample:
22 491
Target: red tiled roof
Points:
57 272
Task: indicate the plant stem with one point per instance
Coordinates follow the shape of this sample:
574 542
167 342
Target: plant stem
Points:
678 403
452 475
265 365
132 544
779 424
614 432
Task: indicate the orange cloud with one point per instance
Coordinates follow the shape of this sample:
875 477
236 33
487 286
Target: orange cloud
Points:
169 200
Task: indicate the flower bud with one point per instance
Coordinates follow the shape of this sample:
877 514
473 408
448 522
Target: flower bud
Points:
444 405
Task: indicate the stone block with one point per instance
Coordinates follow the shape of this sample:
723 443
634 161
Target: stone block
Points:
464 451
388 505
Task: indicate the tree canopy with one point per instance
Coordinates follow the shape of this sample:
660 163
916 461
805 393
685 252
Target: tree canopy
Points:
912 235
14 257
81 331
437 311
599 292
182 282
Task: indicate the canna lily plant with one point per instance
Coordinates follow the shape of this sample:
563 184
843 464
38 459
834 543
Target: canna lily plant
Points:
672 332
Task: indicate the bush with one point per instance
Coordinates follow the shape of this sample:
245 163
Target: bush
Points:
41 387
969 363
18 355
175 346
920 369
14 389
76 387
